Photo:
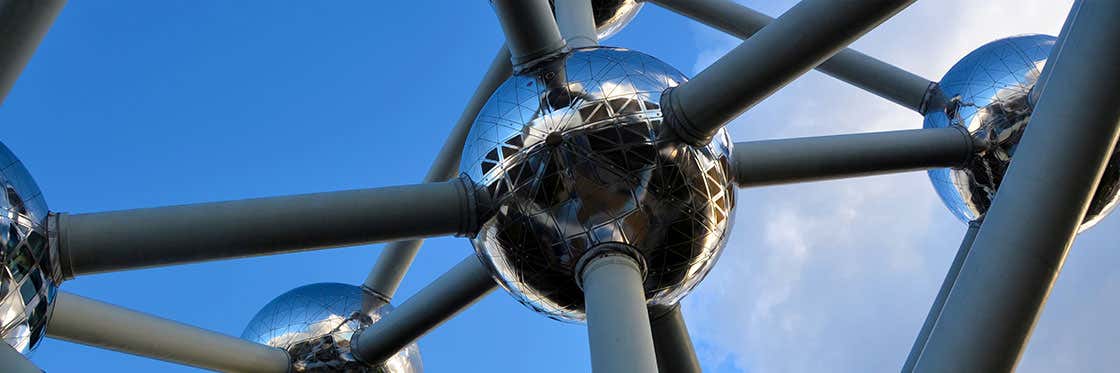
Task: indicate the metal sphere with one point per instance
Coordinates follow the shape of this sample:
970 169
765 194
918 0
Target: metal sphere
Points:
611 16
574 154
27 285
314 324
989 93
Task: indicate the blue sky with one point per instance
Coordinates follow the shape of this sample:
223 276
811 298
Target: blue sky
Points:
138 103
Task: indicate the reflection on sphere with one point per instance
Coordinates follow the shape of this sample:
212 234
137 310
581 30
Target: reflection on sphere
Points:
314 323
989 93
574 154
27 282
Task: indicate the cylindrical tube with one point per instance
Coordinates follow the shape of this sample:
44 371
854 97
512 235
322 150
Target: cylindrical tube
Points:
884 80
130 239
868 73
675 353
531 31
618 325
576 20
441 300
23 23
758 163
1022 244
392 264
799 40
90 322
395 259
14 362
942 294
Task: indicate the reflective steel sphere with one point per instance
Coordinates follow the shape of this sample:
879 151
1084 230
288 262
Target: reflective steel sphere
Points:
314 324
612 15
27 287
574 154
989 93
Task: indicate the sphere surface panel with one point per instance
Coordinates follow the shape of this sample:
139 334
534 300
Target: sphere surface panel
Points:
314 324
27 286
989 93
573 155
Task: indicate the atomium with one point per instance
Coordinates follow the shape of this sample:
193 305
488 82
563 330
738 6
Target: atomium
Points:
574 155
586 202
990 93
27 283
314 323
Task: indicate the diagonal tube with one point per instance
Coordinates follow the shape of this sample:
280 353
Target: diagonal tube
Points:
396 257
799 40
1004 282
131 239
14 362
675 353
441 300
530 29
868 73
942 294
82 320
23 24
771 162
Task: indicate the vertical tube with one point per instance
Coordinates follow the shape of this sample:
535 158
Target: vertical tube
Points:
444 298
11 361
939 302
675 353
395 259
90 322
1019 251
617 319
576 19
531 32
23 23
799 40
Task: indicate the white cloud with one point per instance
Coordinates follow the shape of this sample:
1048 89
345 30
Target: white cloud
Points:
838 276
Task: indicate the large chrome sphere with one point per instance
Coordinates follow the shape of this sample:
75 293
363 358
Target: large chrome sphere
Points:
27 288
989 93
574 154
612 15
314 324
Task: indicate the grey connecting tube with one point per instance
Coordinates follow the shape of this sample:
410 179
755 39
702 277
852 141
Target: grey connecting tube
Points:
395 259
23 23
441 300
14 362
770 162
675 353
530 29
618 327
122 240
868 73
90 322
942 294
799 40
